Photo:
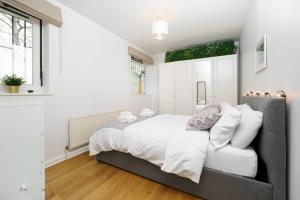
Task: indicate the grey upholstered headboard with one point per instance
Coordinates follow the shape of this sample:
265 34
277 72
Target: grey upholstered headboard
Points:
270 144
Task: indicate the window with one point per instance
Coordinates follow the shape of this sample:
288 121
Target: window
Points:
137 76
20 47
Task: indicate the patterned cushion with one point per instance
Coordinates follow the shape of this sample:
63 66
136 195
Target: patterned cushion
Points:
204 119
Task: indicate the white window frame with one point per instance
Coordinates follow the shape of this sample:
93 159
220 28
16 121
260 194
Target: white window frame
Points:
36 51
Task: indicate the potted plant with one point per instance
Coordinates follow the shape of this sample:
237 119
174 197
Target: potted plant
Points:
12 83
140 76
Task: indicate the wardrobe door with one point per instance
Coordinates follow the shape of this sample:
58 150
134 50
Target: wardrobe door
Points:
21 149
166 88
203 76
183 87
225 79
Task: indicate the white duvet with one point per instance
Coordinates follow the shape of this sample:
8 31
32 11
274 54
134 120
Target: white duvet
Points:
161 140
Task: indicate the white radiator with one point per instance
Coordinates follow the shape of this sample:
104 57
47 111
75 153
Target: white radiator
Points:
81 129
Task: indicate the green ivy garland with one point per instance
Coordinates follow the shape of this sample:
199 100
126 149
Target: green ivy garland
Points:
212 49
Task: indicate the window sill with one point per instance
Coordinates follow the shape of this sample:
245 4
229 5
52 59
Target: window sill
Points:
25 94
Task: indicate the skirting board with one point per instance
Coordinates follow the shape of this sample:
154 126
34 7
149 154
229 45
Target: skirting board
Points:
66 156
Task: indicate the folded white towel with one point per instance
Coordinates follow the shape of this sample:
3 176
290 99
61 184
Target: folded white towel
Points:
124 120
148 113
126 117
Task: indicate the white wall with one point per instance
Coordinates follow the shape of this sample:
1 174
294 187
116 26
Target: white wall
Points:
280 21
94 78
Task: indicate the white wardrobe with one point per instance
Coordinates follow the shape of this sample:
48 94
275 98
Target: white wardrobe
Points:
185 85
22 174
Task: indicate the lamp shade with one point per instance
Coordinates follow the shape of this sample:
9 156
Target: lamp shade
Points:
159 29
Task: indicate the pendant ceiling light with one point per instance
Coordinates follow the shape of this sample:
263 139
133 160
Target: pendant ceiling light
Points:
159 28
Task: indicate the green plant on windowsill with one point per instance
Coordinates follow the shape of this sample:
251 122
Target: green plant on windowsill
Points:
12 83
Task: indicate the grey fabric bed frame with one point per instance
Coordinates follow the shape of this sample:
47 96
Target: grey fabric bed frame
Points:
270 145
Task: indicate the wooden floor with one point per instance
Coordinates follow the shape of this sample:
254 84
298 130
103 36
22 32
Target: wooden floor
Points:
82 177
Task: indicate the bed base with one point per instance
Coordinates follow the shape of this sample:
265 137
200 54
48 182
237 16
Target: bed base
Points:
214 185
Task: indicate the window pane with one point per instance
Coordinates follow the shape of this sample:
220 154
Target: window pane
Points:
28 35
16 54
5 30
19 61
19 29
28 66
137 77
5 61
28 54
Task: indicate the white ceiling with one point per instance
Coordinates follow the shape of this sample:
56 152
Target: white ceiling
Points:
190 21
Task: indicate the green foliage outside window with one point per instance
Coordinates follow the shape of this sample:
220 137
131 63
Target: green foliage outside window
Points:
212 49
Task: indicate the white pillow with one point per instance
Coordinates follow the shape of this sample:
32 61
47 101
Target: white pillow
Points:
243 107
247 130
222 132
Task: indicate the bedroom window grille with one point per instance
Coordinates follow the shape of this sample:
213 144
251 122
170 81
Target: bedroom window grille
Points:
137 76
20 46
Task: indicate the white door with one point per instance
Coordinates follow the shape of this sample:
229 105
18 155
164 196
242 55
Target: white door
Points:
225 79
183 74
166 88
203 72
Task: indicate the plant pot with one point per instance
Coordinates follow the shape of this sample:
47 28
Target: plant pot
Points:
12 89
140 87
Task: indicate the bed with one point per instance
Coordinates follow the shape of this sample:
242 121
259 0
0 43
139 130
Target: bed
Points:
258 173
